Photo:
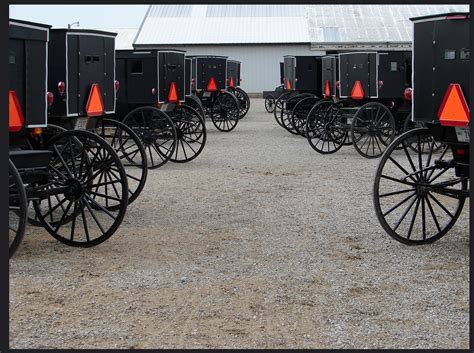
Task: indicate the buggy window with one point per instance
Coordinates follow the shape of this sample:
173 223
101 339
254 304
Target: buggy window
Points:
464 54
393 66
357 66
310 67
136 67
87 59
12 59
449 54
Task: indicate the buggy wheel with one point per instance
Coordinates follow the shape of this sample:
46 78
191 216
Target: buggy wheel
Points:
280 104
244 100
131 152
17 211
191 133
225 112
372 129
425 145
195 103
325 129
417 196
90 188
156 131
300 112
269 103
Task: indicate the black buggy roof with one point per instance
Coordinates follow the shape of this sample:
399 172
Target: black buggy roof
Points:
85 31
440 16
35 24
136 53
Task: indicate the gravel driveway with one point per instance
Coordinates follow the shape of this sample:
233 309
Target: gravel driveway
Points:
259 242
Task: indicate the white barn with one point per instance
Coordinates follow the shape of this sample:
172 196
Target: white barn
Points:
260 35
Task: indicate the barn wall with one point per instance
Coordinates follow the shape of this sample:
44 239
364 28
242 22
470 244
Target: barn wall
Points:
260 63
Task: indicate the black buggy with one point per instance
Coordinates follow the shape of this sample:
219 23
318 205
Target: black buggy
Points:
152 104
209 94
422 180
302 79
81 75
233 83
372 105
59 177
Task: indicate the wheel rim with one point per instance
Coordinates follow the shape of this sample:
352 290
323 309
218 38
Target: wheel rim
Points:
300 113
372 129
95 199
244 101
325 130
131 152
225 112
156 132
279 105
191 134
269 103
425 146
413 191
17 211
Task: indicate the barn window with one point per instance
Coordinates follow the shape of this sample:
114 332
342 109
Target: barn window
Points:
136 67
393 66
464 54
449 54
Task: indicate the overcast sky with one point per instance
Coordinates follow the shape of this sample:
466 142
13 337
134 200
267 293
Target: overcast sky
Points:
89 16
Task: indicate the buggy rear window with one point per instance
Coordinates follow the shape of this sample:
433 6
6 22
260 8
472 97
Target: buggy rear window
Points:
136 67
357 66
449 54
464 54
393 66
12 59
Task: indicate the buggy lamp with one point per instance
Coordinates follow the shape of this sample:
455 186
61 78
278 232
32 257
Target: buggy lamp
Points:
460 151
380 84
338 84
117 85
49 98
61 87
37 131
154 91
407 94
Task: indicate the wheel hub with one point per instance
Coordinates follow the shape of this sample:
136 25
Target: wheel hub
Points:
75 189
422 190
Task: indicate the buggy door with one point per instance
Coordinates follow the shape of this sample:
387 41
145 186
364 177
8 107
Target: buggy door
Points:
329 74
289 73
360 67
392 72
170 69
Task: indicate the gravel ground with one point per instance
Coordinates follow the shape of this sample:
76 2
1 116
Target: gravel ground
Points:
259 242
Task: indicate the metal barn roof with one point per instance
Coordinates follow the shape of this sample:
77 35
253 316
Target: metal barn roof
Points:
367 23
256 24
223 24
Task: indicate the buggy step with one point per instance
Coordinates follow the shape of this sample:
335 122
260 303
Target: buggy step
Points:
23 159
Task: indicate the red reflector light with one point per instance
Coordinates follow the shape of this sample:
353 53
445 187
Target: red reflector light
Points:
407 94
173 93
212 86
461 152
457 17
50 98
357 91
61 87
327 90
95 106
338 84
15 115
380 84
117 85
454 110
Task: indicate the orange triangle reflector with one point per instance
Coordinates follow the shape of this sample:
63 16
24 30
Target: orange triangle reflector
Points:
327 89
95 106
288 84
357 91
231 83
173 93
212 86
454 110
15 115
